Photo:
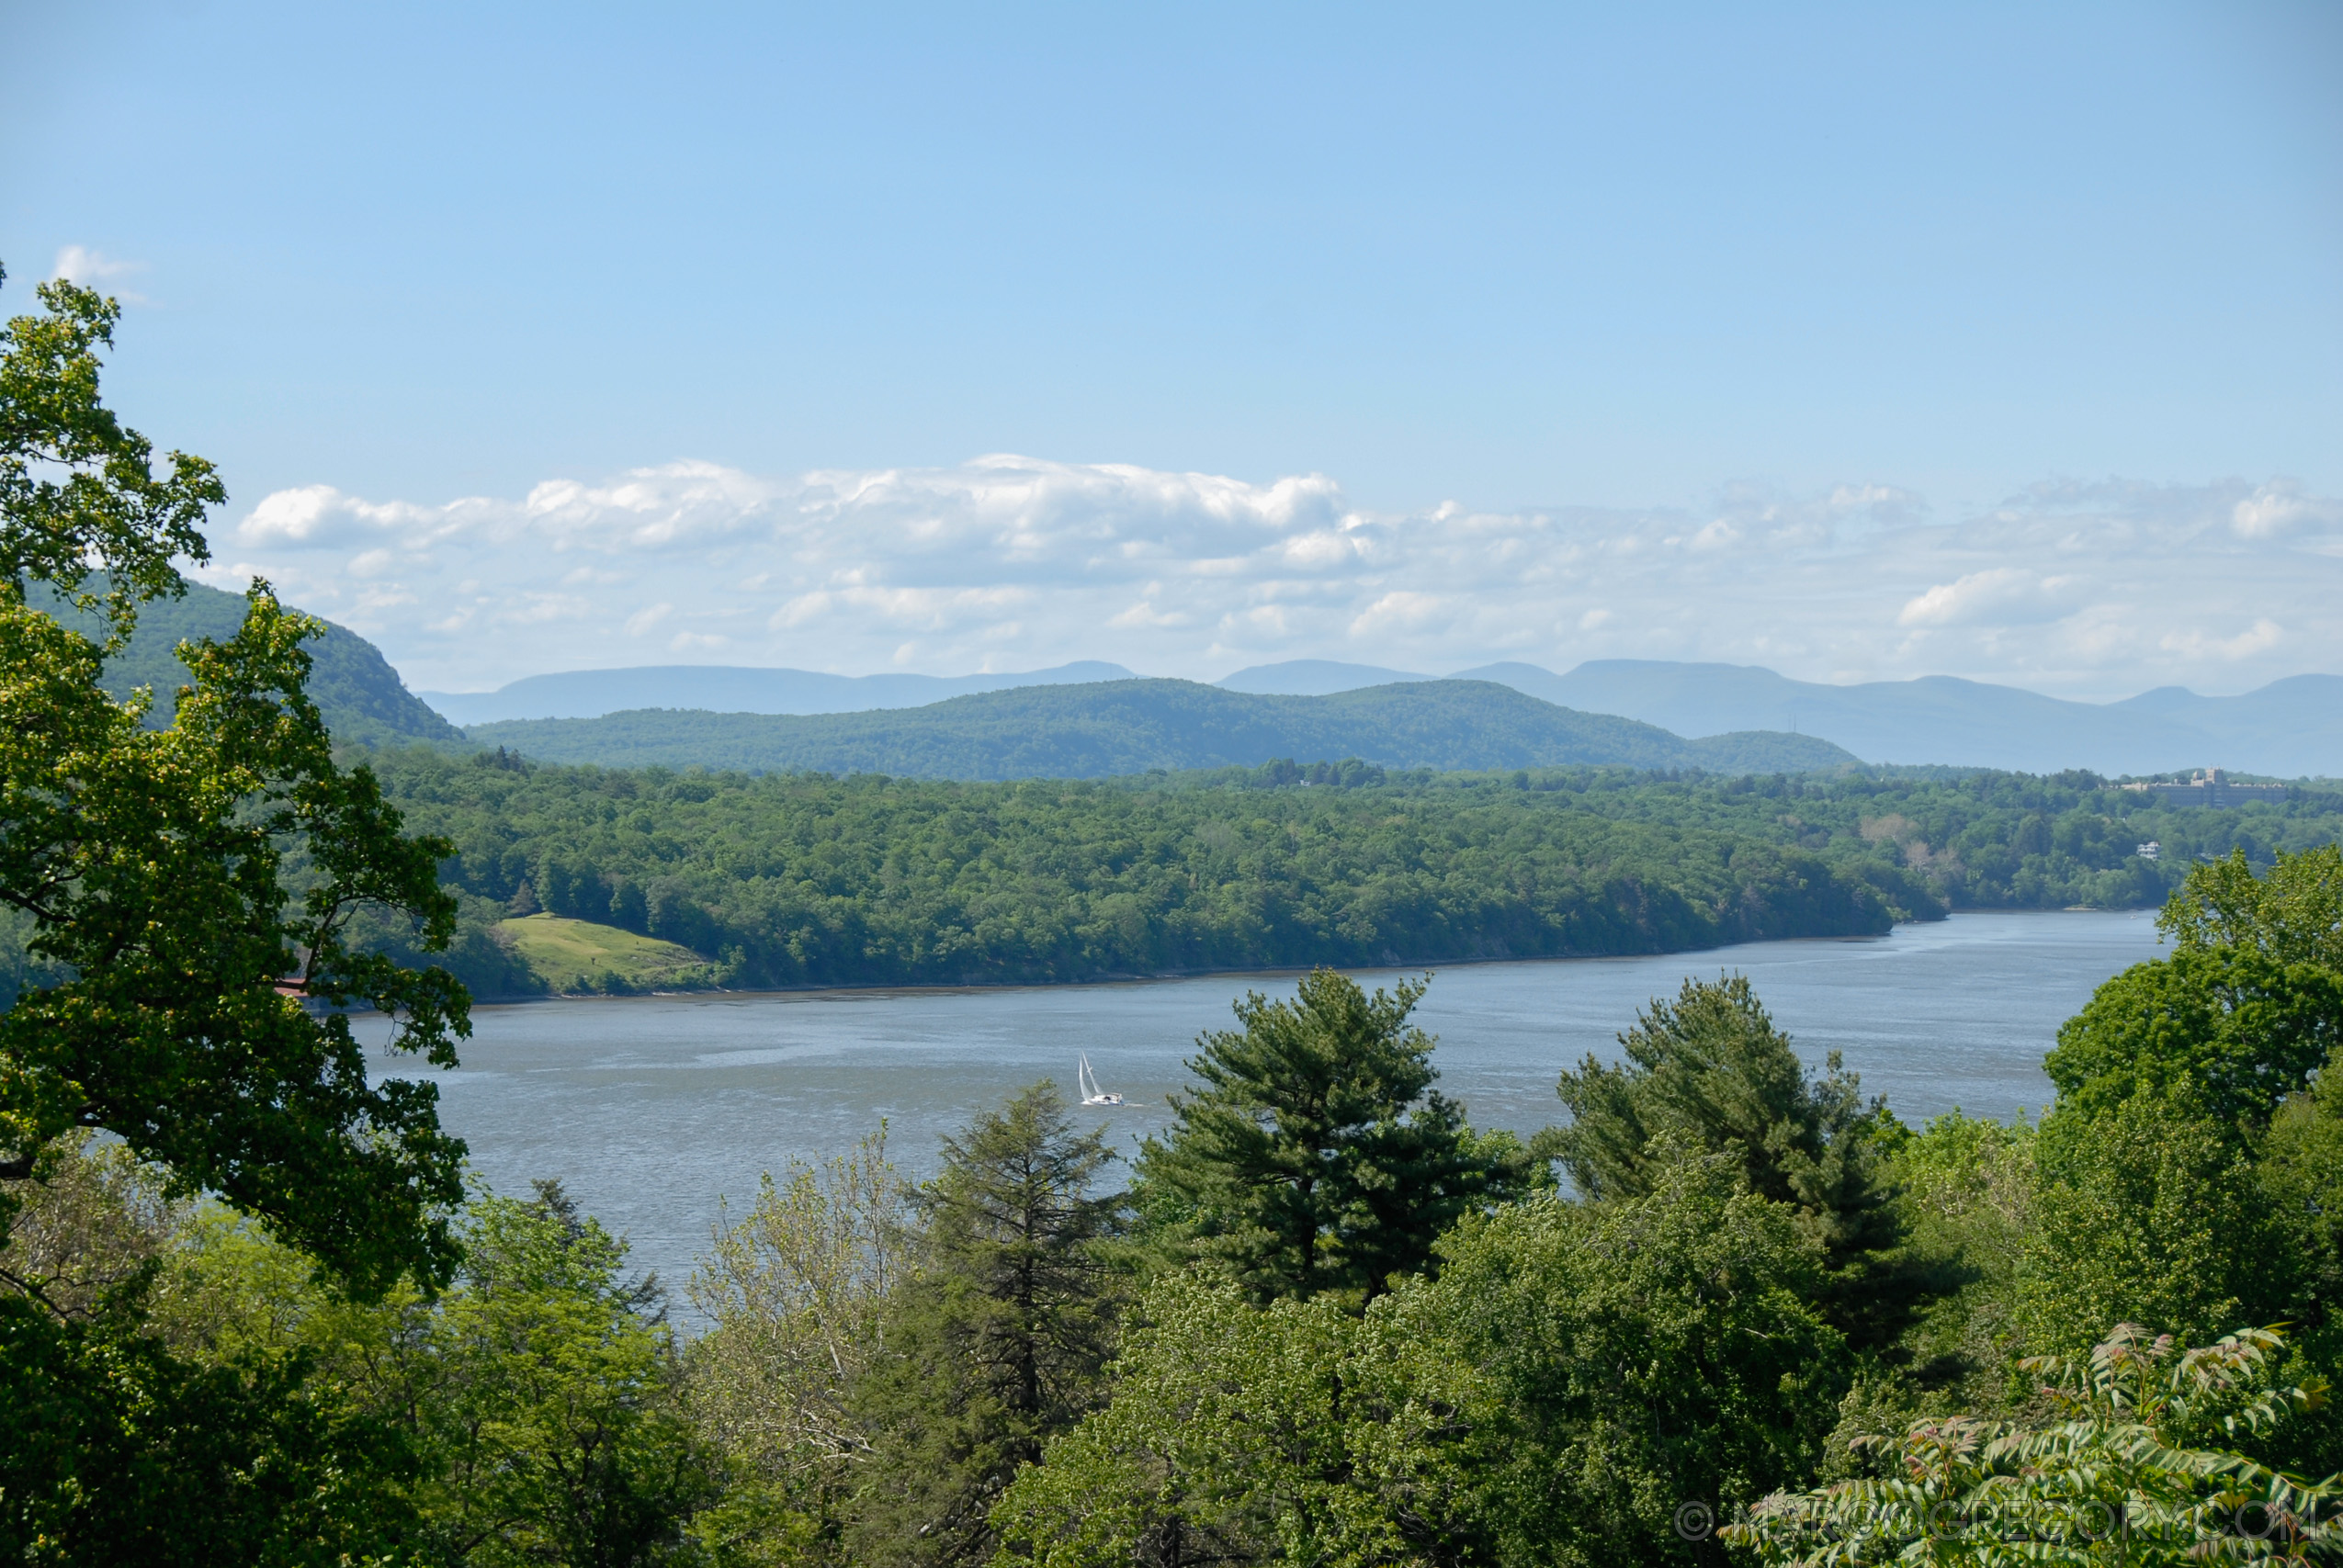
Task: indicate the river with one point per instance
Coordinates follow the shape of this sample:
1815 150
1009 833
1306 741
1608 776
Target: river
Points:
648 1109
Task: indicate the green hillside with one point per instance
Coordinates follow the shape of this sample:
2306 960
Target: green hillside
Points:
353 686
797 879
1114 728
574 955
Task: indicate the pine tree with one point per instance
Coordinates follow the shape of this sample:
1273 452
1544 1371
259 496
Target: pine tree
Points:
1710 1068
1317 1158
1000 1341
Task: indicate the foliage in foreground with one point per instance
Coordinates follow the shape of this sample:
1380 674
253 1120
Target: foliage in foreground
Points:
178 894
2109 1477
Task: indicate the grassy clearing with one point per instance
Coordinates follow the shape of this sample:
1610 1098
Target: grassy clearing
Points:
579 956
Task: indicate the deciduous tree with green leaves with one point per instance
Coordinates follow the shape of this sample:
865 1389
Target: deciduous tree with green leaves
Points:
154 864
2150 1213
2242 1027
2112 1478
2292 912
795 1294
155 870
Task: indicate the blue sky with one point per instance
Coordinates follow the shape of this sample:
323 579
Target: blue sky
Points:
1892 295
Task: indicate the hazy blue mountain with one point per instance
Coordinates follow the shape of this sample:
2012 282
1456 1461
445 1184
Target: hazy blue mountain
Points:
1129 726
2296 725
353 686
731 688
2290 727
1312 678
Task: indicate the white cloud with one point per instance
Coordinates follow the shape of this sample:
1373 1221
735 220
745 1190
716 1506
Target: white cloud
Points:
1008 563
1400 608
2281 508
95 269
2259 637
2002 594
320 517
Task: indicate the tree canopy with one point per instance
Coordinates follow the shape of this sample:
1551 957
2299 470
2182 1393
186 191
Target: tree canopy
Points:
187 893
1315 1156
1710 1071
78 493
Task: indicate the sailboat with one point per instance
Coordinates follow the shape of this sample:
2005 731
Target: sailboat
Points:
1087 1081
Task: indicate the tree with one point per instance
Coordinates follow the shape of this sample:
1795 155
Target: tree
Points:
549 1399
1574 1377
1314 1158
2246 1008
2292 913
2111 1479
153 862
1238 1433
2149 1213
1710 1068
78 494
536 1404
1661 1355
2302 1169
2242 1025
118 1446
999 1341
2301 1174
154 866
113 1449
797 1294
152 872
1965 1187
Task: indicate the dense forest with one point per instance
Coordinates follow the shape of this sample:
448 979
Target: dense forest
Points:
1099 729
804 879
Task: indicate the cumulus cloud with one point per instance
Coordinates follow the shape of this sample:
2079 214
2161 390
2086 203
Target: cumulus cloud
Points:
2003 594
1008 562
2281 509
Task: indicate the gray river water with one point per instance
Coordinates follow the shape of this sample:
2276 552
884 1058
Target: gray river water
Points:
648 1109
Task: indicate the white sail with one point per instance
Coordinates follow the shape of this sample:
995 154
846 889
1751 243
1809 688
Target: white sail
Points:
1086 1082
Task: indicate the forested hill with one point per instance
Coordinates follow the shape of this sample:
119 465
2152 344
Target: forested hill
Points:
353 686
1112 728
797 879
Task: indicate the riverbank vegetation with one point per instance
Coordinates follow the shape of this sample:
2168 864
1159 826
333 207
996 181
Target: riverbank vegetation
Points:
804 879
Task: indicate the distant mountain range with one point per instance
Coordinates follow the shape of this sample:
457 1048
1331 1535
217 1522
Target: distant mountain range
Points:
1094 719
2290 727
1130 727
360 696
729 688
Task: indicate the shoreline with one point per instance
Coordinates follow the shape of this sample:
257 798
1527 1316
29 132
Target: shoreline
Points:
969 987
